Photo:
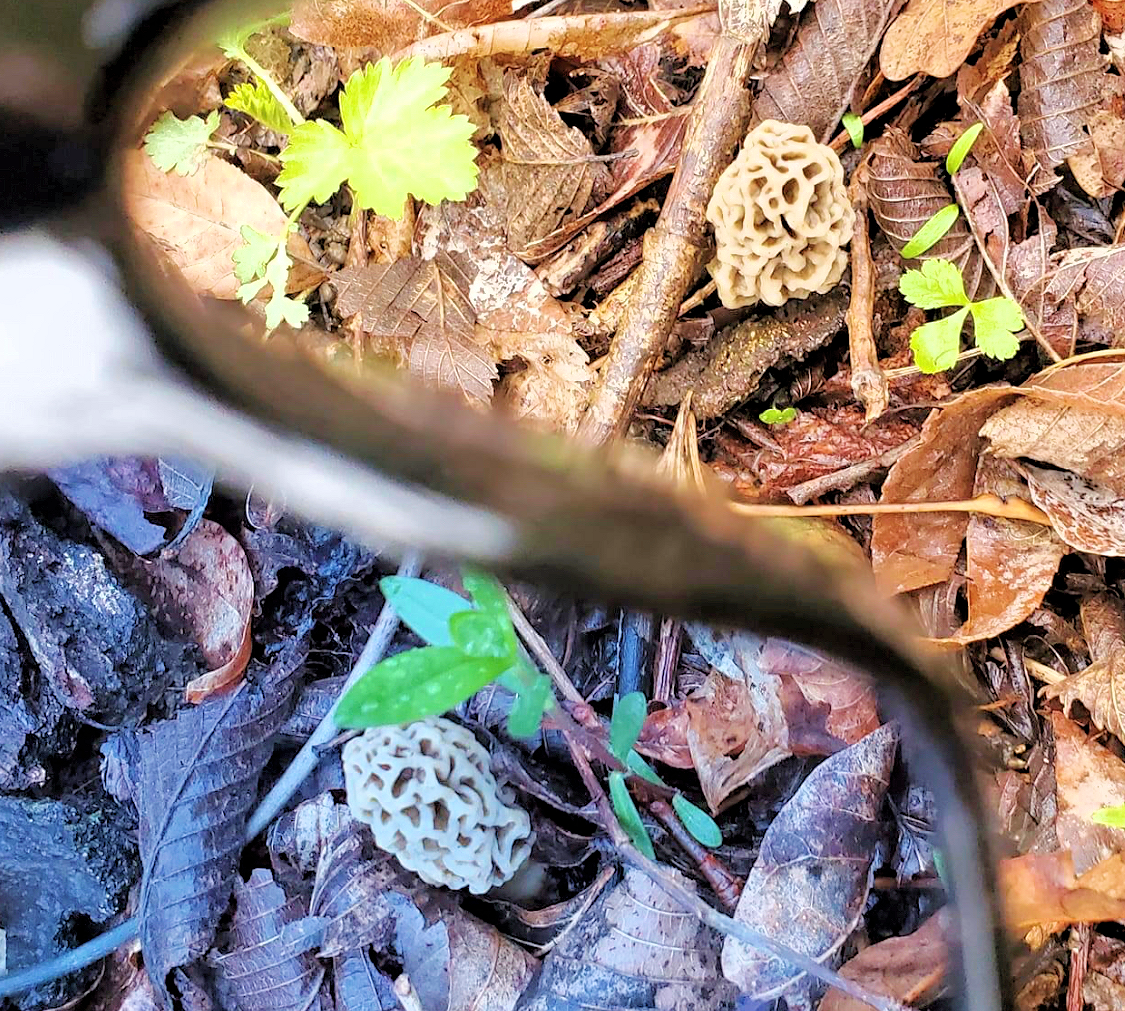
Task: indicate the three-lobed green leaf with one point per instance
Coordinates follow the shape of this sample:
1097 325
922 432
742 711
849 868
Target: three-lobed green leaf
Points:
996 321
396 142
936 344
179 145
936 284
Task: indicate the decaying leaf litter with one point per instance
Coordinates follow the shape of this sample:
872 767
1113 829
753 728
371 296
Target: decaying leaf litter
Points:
584 279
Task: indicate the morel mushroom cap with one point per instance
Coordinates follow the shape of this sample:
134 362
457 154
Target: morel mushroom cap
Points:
782 218
431 800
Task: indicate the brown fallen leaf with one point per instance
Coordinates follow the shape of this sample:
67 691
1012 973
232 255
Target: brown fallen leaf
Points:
196 220
934 36
1102 171
809 885
1101 686
905 193
1061 76
1092 279
549 168
1011 563
814 82
1086 441
910 969
1041 889
911 551
1088 516
419 310
1088 777
204 590
386 25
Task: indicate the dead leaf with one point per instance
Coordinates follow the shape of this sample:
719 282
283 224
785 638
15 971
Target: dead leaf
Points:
905 193
1087 441
1088 777
1011 563
1061 77
934 36
386 25
1041 889
1087 516
809 885
204 590
910 551
910 969
549 168
196 220
850 697
1092 279
635 948
814 82
1102 171
423 306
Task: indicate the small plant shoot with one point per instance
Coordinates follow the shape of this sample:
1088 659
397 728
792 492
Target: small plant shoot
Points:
938 285
961 148
1114 816
777 416
628 815
470 645
854 126
931 232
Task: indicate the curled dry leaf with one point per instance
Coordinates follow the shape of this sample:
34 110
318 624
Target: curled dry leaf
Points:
197 780
204 590
1087 516
905 193
909 551
1088 777
348 895
935 36
1041 889
1060 80
910 969
1102 171
809 885
267 961
1011 563
635 948
1101 686
1092 279
814 82
549 170
197 220
385 25
359 986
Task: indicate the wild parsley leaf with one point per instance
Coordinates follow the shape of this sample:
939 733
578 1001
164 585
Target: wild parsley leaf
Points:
935 344
935 285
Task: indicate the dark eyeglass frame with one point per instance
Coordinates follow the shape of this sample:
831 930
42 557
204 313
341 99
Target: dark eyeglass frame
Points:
595 524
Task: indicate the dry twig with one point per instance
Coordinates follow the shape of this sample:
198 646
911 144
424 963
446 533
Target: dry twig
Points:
868 382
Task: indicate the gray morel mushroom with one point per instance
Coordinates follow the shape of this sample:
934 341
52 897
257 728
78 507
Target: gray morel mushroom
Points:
781 217
429 796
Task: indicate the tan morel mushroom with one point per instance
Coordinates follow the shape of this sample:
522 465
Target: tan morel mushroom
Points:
431 800
782 218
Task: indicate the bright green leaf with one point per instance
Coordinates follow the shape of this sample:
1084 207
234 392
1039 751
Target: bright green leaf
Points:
697 821
628 815
281 309
935 344
479 634
996 321
179 145
1112 816
531 702
961 147
424 607
854 125
629 713
415 684
252 258
931 232
490 598
634 763
773 416
936 284
258 102
395 143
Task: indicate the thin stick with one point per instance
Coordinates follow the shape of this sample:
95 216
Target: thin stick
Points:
304 762
868 382
845 477
674 248
840 141
542 652
988 505
726 885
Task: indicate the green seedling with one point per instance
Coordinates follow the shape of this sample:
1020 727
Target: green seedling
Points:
774 416
1114 816
961 148
395 141
932 232
854 125
938 285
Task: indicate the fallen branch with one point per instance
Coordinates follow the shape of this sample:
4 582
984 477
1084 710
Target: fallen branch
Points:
868 382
